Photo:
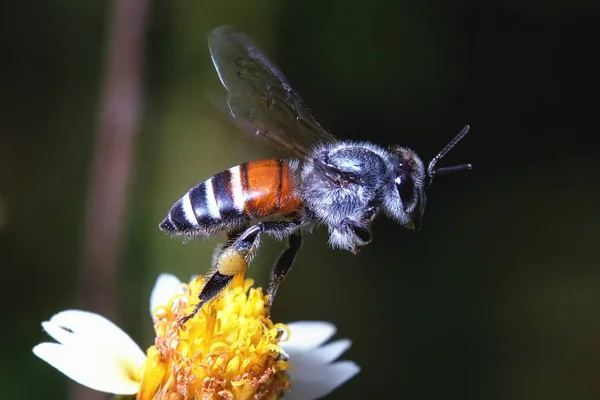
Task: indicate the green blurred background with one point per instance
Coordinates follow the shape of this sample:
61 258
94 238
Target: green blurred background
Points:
497 297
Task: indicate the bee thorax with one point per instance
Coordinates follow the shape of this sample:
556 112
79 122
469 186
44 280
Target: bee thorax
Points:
340 181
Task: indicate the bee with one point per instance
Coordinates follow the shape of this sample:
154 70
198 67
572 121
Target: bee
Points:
341 184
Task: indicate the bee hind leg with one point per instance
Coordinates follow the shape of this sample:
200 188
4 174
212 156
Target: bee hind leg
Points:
229 260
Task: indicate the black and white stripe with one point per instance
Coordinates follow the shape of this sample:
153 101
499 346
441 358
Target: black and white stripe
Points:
237 188
208 206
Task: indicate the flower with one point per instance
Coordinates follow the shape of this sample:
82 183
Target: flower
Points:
230 349
313 372
92 351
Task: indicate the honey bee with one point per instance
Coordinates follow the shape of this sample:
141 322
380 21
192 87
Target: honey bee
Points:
341 184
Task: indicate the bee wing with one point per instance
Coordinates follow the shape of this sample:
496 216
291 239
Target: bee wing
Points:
260 99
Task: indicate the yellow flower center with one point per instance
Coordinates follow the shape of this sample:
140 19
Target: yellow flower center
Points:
229 350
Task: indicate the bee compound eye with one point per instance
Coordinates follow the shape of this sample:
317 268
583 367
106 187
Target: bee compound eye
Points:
405 186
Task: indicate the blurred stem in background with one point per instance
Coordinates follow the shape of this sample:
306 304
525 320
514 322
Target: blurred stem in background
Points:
111 169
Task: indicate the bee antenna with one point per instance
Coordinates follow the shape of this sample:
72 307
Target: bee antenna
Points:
431 171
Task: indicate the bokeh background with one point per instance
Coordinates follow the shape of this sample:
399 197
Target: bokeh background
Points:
497 297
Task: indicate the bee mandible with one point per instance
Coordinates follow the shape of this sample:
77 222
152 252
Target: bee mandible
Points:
341 184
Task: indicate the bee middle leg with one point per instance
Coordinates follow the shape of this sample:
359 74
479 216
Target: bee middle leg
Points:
284 264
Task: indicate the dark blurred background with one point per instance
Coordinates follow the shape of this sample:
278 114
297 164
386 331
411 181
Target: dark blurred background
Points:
497 297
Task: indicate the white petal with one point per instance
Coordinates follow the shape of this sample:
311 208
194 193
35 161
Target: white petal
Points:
91 367
313 383
321 355
307 335
164 289
89 330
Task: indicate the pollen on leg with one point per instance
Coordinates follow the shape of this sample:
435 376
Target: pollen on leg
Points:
231 262
229 350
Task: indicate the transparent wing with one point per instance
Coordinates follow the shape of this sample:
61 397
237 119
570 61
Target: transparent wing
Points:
260 99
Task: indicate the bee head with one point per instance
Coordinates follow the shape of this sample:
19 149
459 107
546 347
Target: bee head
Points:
405 202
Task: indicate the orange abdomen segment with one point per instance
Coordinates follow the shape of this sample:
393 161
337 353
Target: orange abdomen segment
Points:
268 187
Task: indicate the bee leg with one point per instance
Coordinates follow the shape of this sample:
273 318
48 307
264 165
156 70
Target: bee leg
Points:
281 229
213 287
284 264
234 234
360 230
231 259
220 248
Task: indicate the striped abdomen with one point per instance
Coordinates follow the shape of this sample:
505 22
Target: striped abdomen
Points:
249 191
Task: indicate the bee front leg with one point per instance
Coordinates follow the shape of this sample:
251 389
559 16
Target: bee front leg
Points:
233 258
359 233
